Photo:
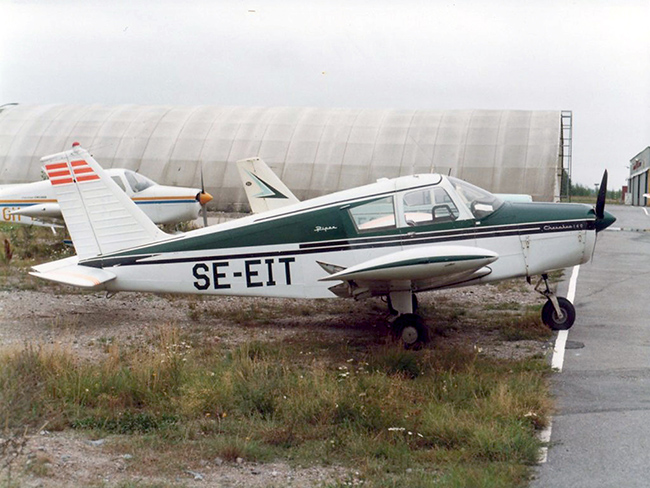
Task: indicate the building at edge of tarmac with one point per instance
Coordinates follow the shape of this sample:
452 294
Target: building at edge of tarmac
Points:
313 150
639 181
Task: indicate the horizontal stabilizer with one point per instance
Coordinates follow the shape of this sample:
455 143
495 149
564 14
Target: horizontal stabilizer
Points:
418 264
68 272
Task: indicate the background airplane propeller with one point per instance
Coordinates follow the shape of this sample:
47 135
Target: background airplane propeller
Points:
203 198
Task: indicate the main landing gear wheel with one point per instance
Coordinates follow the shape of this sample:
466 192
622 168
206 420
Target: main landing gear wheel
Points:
411 330
559 322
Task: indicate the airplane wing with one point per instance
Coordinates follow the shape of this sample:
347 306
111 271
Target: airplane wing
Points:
264 190
434 265
67 271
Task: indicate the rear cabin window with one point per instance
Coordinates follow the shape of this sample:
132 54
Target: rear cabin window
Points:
137 182
428 206
374 215
118 180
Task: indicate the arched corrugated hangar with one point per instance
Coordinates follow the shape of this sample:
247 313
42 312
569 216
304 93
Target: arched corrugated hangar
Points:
314 150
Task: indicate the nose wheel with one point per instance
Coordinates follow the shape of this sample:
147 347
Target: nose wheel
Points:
558 313
562 320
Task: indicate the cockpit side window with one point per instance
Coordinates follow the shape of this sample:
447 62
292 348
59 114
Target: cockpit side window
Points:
374 215
480 202
137 182
427 206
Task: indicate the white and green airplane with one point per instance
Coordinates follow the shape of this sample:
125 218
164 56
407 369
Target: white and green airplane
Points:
394 238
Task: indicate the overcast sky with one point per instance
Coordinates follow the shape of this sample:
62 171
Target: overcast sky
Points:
589 56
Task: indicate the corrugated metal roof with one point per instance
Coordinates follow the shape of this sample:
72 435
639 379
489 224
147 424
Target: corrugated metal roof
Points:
314 150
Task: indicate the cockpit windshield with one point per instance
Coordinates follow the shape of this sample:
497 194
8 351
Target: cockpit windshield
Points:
137 182
481 202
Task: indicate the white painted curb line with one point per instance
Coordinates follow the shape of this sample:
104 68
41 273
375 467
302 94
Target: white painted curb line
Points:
557 361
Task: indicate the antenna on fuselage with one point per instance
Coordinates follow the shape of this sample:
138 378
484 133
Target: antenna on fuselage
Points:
429 158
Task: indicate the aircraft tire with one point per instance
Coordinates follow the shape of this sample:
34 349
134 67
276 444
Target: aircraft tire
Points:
412 331
550 318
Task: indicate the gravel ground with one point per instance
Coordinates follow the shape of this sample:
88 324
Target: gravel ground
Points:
86 322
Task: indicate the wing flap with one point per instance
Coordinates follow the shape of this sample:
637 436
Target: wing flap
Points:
418 264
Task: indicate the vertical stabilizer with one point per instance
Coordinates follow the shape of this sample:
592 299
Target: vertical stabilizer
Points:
264 190
100 217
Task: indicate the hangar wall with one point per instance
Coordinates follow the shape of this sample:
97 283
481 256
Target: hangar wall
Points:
313 150
639 180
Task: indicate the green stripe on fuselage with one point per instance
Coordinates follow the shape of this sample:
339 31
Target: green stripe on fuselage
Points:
335 224
517 213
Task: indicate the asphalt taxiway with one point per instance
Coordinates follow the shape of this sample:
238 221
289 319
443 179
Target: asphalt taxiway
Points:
600 433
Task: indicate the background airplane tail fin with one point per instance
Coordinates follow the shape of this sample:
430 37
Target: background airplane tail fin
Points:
100 217
264 190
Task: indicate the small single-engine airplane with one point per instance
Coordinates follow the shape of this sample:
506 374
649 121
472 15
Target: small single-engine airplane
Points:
393 238
36 204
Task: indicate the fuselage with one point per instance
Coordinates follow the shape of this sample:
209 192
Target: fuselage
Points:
277 253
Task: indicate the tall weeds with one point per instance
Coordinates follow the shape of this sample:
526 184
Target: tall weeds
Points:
381 411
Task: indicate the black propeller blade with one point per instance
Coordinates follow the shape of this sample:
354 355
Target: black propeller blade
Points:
603 219
602 195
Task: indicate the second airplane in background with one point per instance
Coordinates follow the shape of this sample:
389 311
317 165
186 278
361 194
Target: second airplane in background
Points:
36 204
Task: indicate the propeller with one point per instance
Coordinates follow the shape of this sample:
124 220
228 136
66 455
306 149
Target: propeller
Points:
603 219
203 197
602 195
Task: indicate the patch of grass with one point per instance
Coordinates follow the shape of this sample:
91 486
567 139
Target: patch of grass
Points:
23 246
526 327
502 306
32 243
253 312
127 423
446 416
